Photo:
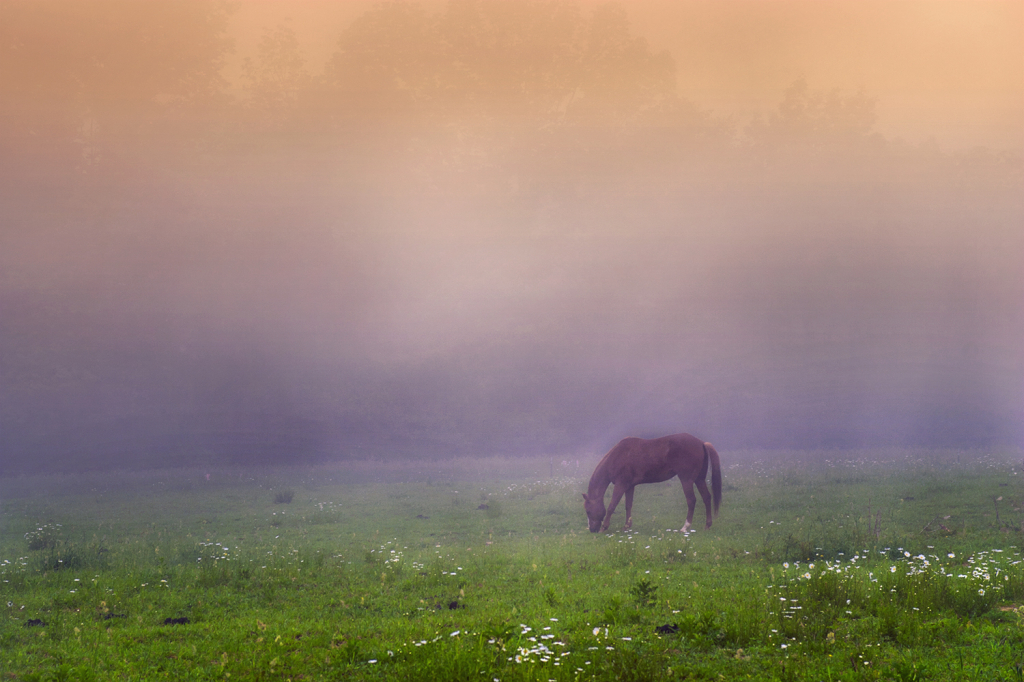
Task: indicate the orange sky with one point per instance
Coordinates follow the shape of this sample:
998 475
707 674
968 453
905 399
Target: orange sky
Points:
952 69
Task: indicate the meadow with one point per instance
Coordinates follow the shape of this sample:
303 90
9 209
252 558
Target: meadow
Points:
866 565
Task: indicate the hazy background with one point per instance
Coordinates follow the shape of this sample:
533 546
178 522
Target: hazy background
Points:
290 232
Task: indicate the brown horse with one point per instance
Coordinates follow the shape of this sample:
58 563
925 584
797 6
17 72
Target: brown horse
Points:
636 460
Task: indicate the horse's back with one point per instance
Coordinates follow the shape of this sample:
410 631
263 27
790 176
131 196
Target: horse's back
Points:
686 455
639 460
676 441
686 442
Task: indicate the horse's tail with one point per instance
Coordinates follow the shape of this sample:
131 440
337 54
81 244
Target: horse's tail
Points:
716 473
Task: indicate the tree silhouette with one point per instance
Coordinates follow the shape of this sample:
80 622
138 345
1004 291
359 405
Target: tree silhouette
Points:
618 76
811 124
85 82
520 89
275 79
382 62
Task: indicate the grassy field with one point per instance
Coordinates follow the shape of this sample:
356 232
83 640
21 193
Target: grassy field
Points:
864 565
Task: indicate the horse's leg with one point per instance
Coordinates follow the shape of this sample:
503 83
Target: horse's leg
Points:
705 495
691 503
629 509
617 492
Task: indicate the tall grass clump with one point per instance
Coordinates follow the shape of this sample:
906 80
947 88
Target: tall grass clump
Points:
43 536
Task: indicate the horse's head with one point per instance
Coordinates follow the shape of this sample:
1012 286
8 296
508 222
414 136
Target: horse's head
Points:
595 511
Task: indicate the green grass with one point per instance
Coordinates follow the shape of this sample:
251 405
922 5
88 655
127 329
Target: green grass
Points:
872 565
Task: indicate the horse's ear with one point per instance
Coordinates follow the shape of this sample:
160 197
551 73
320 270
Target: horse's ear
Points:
585 498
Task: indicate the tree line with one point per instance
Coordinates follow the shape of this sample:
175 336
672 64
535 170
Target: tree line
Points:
519 92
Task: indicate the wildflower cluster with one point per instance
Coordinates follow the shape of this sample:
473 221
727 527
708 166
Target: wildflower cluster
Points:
987 571
868 585
323 512
387 556
604 643
983 570
535 648
214 552
522 644
19 565
44 536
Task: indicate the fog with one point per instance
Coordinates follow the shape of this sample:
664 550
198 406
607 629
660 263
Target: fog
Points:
310 231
